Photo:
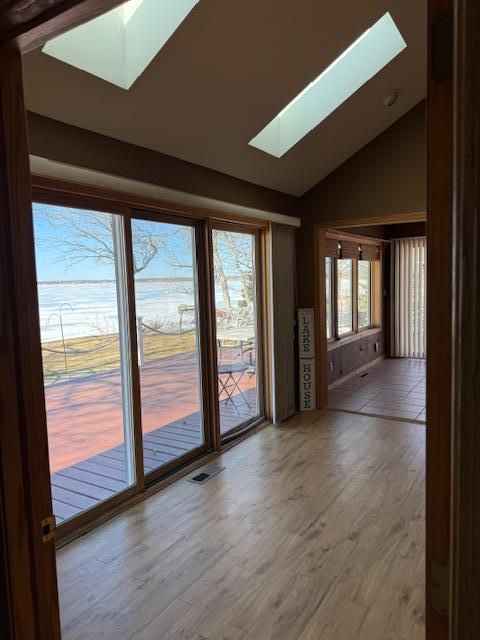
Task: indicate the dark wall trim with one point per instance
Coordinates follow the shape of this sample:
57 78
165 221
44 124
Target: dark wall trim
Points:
81 148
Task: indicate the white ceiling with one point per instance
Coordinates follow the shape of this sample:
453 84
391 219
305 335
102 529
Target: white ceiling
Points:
227 71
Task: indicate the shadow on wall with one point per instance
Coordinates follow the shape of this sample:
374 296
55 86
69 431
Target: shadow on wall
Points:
386 177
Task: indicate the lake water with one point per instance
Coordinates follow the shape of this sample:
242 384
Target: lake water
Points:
89 309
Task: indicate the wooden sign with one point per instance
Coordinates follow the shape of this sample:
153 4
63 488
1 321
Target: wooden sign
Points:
306 354
307 384
306 333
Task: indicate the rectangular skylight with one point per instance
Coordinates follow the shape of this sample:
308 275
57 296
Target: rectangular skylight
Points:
363 59
129 9
119 45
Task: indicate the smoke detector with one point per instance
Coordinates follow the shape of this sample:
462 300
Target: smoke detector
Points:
391 99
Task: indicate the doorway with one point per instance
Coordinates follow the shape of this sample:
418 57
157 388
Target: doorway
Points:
125 324
376 320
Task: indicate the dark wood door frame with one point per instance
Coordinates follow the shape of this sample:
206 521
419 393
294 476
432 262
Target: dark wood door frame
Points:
465 530
439 300
27 24
25 477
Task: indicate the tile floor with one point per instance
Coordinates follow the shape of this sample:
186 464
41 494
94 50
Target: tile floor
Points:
394 387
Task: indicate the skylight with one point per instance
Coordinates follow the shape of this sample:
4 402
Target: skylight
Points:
363 59
129 9
119 45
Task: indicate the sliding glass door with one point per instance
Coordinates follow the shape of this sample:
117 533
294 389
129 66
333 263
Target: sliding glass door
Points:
168 340
151 347
236 277
81 280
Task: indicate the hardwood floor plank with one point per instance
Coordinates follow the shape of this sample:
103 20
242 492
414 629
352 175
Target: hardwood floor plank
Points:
348 622
314 531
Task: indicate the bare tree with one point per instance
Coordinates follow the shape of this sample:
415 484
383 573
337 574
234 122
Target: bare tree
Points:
241 254
221 277
235 256
88 237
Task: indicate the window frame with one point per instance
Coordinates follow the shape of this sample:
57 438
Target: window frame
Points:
374 280
330 289
62 193
353 296
260 292
371 291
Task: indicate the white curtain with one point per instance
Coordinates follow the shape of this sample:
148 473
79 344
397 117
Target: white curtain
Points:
408 297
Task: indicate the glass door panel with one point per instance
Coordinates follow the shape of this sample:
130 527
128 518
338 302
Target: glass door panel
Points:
328 296
166 301
364 296
236 321
81 279
345 296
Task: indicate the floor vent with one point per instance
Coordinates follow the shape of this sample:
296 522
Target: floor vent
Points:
206 474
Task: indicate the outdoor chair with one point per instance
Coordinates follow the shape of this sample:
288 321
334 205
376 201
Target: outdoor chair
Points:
234 362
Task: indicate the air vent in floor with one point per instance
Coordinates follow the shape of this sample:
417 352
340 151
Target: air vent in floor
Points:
206 474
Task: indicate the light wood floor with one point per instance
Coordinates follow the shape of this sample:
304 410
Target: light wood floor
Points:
314 531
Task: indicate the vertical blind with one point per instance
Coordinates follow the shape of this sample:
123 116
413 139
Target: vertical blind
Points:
283 320
408 297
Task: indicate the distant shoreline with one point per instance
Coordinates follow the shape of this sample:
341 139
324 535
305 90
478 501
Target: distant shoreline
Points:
143 280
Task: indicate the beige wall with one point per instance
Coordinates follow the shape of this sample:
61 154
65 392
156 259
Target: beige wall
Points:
386 177
81 148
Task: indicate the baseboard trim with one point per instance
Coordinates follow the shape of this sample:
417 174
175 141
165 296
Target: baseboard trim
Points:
355 373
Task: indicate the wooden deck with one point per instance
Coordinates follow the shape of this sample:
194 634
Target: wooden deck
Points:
85 415
99 477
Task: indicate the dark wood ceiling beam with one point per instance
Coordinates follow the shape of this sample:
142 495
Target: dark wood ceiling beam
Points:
28 24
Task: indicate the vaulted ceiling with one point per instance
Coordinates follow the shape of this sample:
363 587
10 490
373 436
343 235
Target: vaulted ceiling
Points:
227 71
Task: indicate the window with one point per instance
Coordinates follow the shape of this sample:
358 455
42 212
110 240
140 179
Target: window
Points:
130 392
364 294
168 340
328 290
344 297
81 281
349 292
236 278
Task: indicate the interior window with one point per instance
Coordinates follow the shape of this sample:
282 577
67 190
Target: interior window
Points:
364 294
328 289
344 296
